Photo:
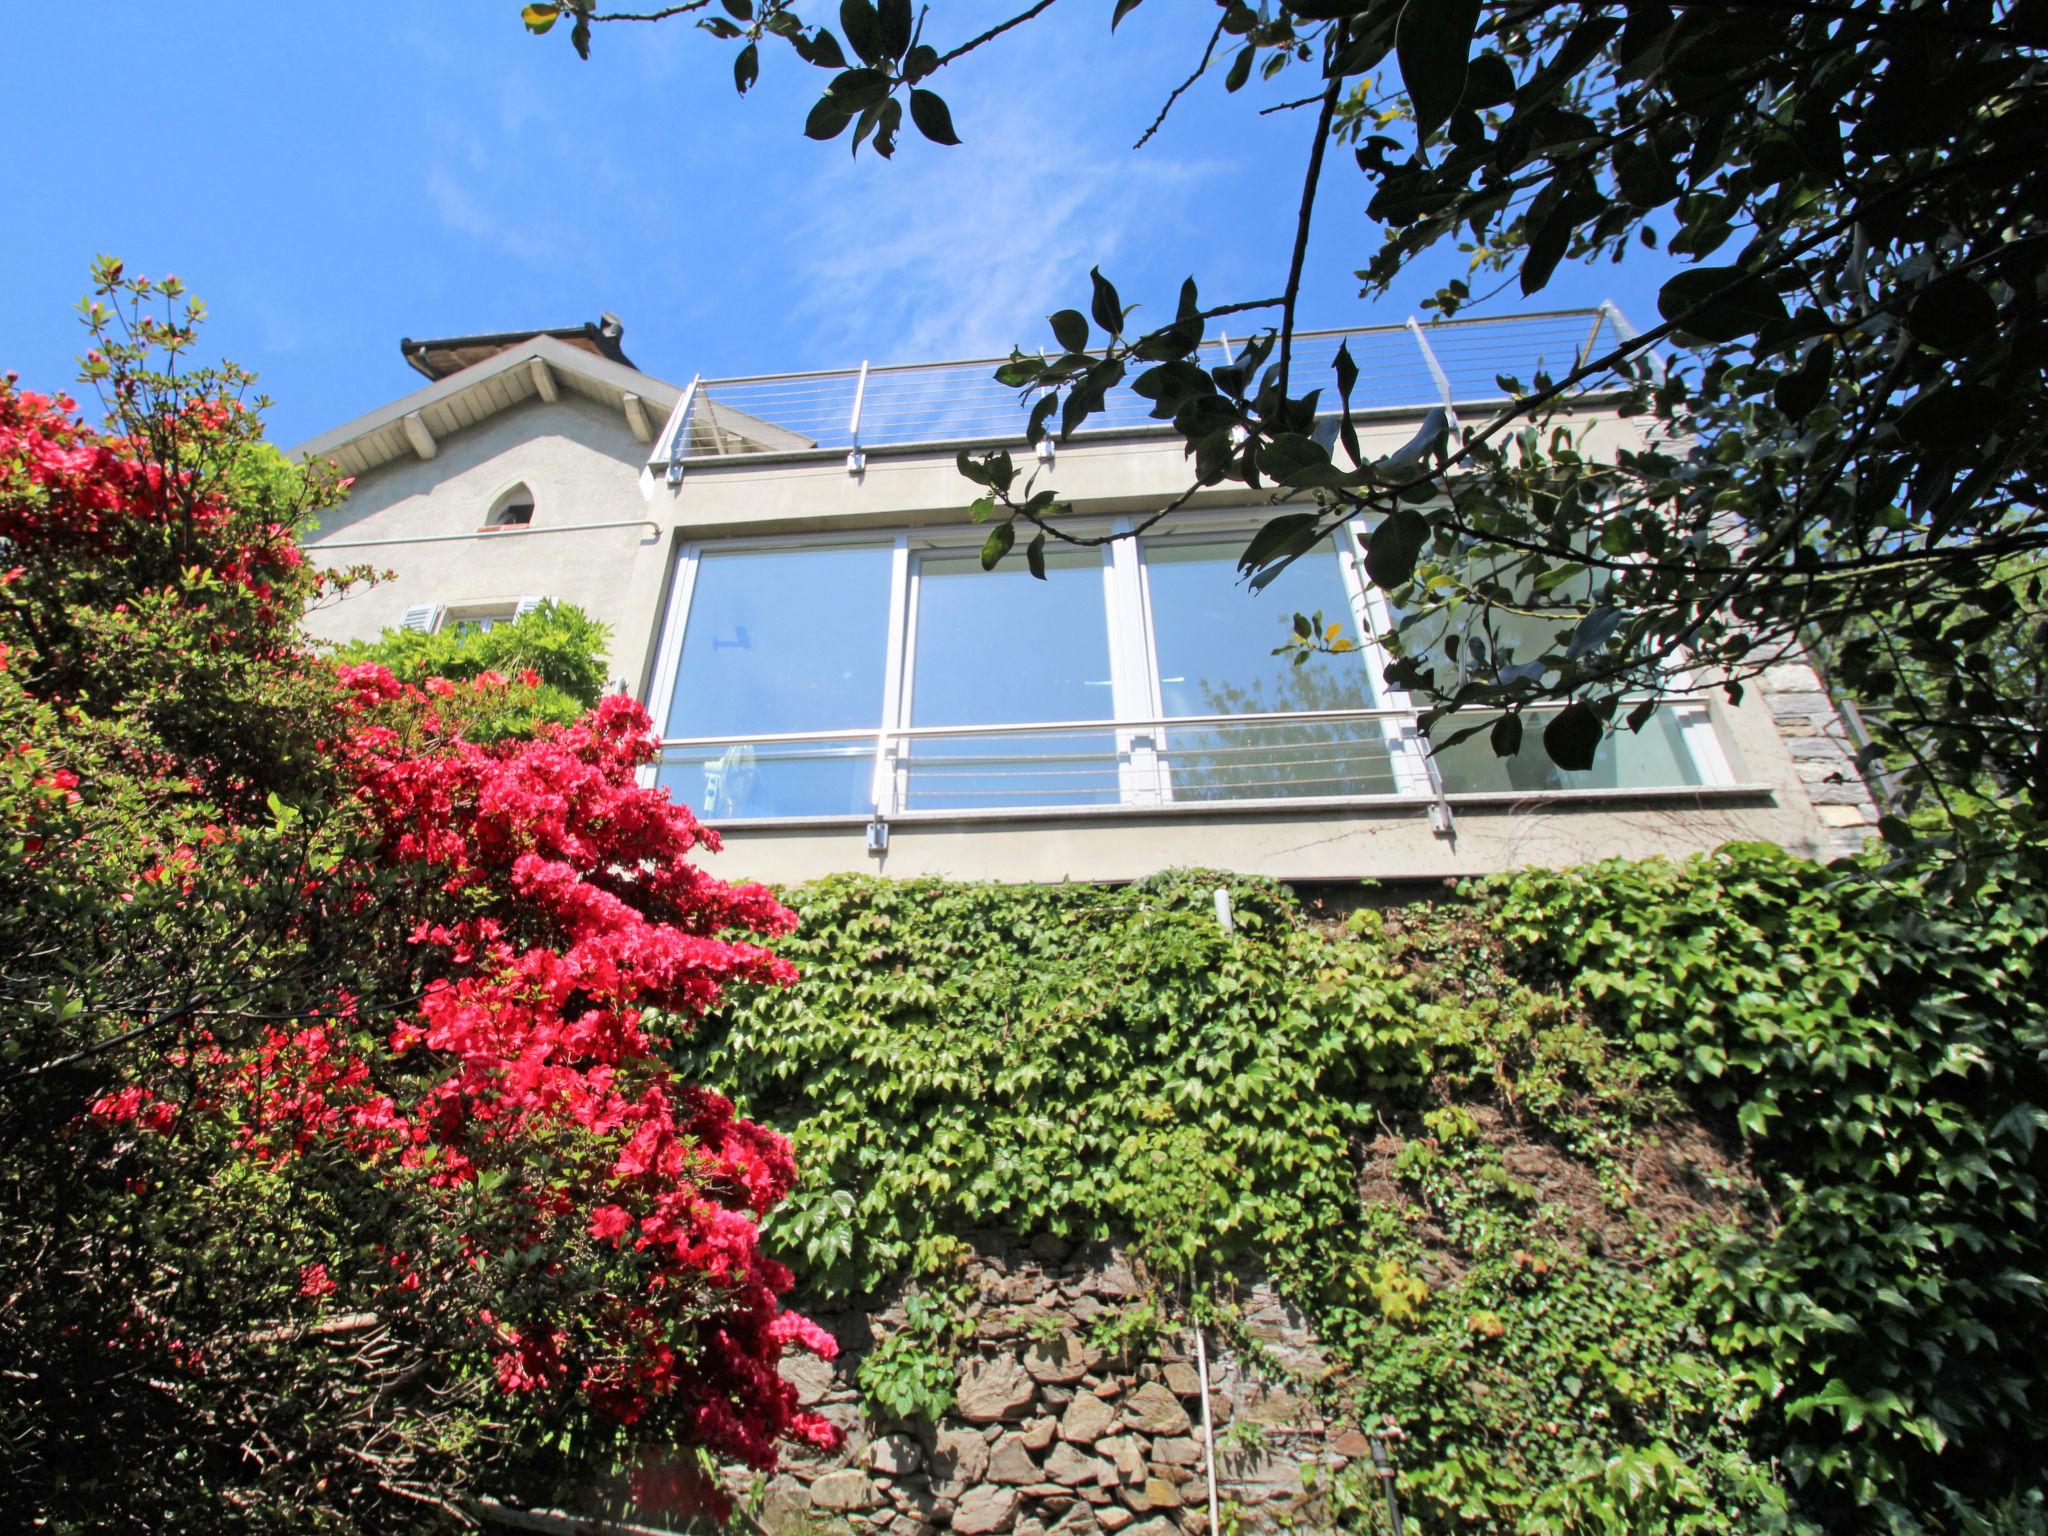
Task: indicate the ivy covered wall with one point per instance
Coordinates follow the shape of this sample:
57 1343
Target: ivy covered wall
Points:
1639 1197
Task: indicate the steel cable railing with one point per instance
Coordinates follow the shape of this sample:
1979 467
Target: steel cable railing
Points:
1352 754
850 410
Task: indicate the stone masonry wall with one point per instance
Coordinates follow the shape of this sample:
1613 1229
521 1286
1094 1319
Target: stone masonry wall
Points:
1048 1437
1822 754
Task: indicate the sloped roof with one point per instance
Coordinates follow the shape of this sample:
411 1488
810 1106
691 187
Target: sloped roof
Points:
535 366
603 337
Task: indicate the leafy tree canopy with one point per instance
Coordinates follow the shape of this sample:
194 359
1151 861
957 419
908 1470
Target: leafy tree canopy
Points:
1844 453
341 1182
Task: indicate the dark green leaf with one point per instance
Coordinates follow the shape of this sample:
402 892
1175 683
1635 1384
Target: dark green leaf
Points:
1034 555
820 48
1069 329
1123 9
1293 459
1952 314
1105 306
1799 392
1433 46
858 21
933 119
1000 540
1276 536
746 67
893 27
1506 735
1719 303
1951 416
1394 547
1572 738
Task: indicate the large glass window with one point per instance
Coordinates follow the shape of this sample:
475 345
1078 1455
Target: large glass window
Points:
1214 643
1135 676
1004 648
1655 757
787 642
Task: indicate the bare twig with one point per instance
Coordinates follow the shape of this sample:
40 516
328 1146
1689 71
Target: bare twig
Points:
1308 202
994 32
1201 69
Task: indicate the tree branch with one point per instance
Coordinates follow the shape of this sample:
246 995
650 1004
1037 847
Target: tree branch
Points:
1308 202
1201 69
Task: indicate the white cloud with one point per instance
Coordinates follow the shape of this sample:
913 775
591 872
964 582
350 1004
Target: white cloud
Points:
962 252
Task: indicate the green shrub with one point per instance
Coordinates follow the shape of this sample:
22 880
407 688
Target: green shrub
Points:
1629 1193
558 642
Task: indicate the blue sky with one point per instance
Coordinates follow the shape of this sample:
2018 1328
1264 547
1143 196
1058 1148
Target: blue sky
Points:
331 178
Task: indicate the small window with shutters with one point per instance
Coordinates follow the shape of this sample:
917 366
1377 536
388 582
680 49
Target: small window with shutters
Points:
478 618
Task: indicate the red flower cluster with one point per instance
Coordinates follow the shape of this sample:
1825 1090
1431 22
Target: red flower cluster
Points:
558 923
574 909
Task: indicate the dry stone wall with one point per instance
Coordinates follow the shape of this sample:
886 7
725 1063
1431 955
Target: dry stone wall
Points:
1823 755
1051 1436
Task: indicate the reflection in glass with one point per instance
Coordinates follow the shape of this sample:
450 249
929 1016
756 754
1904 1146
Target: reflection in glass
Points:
1654 758
779 642
783 641
1214 641
1004 648
772 778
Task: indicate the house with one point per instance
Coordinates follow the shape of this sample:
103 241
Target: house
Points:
791 577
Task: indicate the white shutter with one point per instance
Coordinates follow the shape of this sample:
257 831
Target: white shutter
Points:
526 606
422 617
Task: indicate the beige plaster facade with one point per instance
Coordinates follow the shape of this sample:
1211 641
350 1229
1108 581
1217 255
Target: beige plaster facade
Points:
609 525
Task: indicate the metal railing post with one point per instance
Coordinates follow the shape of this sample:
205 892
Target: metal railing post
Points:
1626 332
1436 371
678 440
856 461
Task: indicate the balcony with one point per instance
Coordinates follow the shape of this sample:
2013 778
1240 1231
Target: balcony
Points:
851 412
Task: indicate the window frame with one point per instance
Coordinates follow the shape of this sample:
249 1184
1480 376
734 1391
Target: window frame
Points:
1137 705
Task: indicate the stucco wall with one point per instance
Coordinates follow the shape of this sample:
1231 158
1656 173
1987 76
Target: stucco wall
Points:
583 466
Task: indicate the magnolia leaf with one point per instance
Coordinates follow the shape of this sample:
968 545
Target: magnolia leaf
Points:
1719 303
1395 546
1433 46
1105 306
1506 735
1276 535
862 27
934 120
1001 539
1573 736
1951 416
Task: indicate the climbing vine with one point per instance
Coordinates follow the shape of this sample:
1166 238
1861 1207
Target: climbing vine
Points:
1567 1172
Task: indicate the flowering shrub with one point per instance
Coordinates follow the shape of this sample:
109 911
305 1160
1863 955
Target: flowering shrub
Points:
347 1174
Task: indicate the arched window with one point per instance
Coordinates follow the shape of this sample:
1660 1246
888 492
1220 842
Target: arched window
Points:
512 509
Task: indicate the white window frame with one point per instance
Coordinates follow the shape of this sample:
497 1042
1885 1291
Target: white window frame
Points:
1137 702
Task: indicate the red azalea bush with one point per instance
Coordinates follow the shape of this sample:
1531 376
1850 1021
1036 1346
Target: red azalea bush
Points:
347 1175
